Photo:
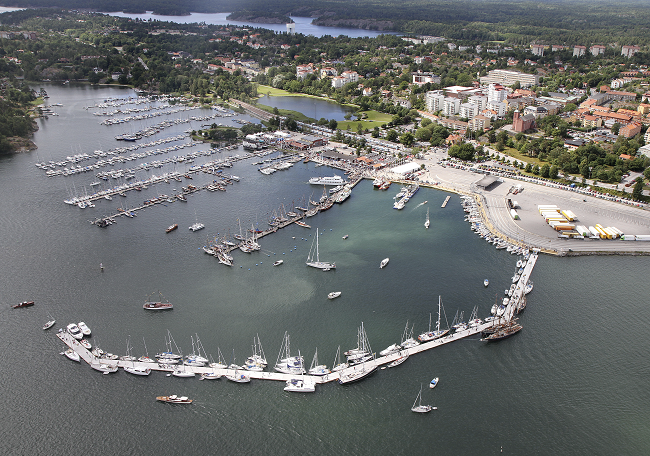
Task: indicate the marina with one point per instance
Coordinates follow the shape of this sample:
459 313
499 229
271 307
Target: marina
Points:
546 362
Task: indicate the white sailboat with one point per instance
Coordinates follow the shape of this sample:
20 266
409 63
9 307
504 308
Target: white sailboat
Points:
338 365
421 408
427 223
317 369
437 333
407 337
286 363
313 259
256 362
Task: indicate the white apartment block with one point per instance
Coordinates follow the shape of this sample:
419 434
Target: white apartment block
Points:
508 78
496 93
597 49
500 107
579 51
303 70
468 110
434 101
345 78
450 106
479 101
620 82
629 51
537 49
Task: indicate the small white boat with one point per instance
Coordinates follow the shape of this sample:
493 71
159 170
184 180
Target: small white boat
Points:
183 374
399 361
239 377
85 330
300 385
49 324
137 370
74 331
174 399
71 354
383 263
334 294
210 376
278 263
197 226
391 349
85 344
486 282
346 236
433 383
527 289
102 367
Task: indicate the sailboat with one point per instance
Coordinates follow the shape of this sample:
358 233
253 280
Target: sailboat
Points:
427 223
133 369
437 333
317 369
365 371
421 408
256 362
237 377
313 259
407 337
286 363
338 365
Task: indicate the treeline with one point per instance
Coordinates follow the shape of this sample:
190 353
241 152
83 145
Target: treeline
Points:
14 117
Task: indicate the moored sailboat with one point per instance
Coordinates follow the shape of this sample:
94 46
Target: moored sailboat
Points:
313 259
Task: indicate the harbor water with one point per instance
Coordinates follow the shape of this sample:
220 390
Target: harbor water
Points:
573 381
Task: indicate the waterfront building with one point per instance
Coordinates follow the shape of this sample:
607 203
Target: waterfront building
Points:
509 77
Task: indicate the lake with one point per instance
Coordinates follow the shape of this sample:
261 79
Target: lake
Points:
303 24
309 106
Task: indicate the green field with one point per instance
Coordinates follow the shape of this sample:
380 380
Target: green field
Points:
374 119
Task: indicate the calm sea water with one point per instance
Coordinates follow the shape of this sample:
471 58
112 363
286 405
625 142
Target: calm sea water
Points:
572 382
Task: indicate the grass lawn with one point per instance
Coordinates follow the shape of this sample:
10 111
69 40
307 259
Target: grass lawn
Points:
375 119
264 90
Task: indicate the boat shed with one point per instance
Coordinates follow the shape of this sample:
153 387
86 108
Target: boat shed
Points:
487 181
406 168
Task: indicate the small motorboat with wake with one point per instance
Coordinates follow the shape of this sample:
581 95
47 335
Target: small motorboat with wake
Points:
333 295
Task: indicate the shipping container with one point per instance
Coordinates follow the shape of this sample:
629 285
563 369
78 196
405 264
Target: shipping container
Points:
594 232
642 237
514 214
601 232
583 230
628 237
547 206
570 216
564 227
620 233
611 234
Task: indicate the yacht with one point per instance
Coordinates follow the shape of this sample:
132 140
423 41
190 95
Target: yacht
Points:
197 226
334 294
300 385
330 180
71 354
85 330
74 331
383 263
174 399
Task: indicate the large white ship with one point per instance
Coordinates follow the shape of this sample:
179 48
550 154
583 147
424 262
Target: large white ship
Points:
329 180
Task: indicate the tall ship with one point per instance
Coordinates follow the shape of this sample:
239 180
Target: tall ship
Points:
329 180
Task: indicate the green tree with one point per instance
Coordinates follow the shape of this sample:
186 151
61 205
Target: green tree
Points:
545 170
391 135
333 124
407 139
553 173
637 191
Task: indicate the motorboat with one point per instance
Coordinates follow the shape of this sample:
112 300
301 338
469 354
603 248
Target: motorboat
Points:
71 354
174 399
85 344
102 367
85 330
303 224
346 236
138 370
433 383
210 376
278 263
391 349
529 287
332 180
182 373
399 360
49 324
238 377
300 385
486 282
197 226
23 304
334 294
383 263
171 228
74 331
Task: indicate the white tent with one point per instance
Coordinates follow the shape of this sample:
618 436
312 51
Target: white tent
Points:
406 168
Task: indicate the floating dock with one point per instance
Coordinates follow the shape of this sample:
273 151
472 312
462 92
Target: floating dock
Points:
446 201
